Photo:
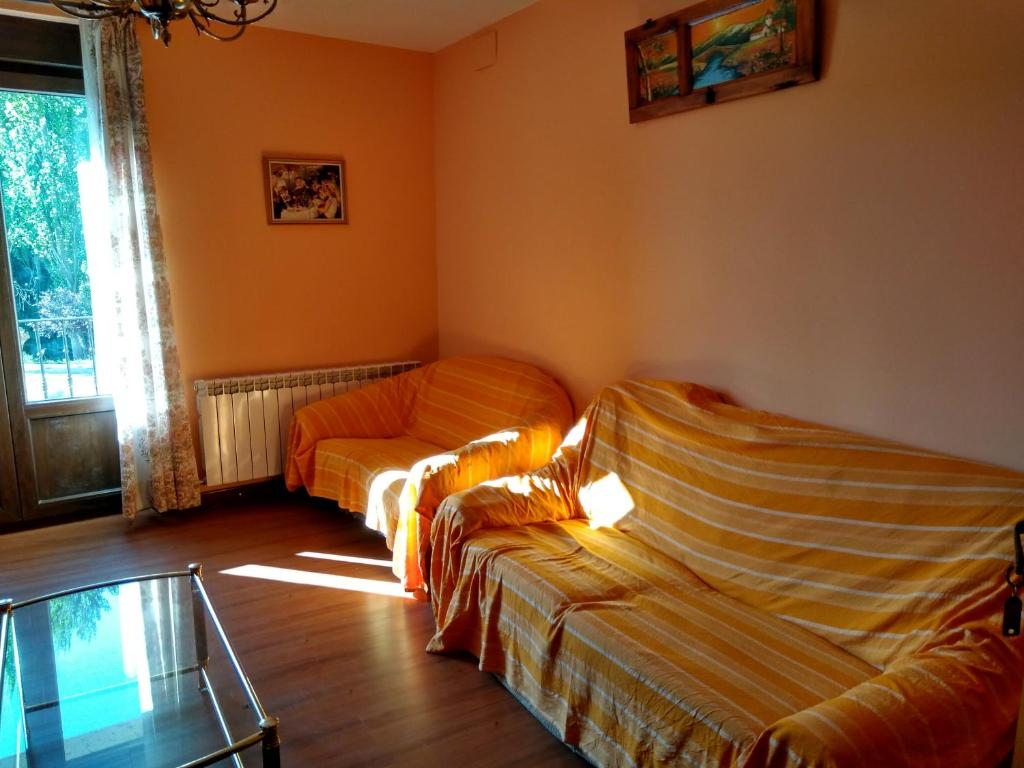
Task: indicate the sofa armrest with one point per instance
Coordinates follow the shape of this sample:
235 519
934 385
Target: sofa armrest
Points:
949 705
510 452
507 453
380 410
542 496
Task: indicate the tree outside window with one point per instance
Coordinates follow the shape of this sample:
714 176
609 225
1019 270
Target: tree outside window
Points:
43 139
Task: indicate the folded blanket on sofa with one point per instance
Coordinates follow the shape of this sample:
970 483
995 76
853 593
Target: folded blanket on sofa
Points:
693 583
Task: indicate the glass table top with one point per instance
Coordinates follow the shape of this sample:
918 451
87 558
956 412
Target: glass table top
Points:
137 673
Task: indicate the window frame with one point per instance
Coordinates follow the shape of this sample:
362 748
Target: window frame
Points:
40 55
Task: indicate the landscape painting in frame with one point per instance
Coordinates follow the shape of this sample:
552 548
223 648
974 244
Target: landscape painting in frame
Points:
657 61
749 38
305 191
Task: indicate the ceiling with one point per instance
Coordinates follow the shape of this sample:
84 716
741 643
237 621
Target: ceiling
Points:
422 25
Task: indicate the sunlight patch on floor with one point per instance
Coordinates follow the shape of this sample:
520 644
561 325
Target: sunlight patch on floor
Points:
314 579
345 559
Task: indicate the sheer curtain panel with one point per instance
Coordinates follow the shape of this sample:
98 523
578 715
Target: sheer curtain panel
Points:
131 296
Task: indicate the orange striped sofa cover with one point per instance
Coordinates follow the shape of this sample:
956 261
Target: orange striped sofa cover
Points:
691 583
394 450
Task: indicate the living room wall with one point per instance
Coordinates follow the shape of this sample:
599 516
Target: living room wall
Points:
250 297
847 251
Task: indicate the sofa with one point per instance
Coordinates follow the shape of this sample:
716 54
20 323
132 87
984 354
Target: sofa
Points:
393 450
691 583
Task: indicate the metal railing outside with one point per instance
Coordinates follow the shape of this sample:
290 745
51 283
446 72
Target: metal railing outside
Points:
64 373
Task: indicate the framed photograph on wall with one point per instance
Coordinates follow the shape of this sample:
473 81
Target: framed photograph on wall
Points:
719 50
304 190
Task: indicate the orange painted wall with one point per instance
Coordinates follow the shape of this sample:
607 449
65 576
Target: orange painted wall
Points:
847 251
249 297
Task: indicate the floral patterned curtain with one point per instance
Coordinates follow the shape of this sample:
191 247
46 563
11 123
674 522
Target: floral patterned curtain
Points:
131 297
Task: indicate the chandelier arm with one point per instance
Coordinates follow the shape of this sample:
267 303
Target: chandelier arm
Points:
205 9
202 25
160 14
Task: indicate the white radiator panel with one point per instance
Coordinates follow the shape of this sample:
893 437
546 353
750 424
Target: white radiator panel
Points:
284 418
225 436
244 420
243 448
258 435
207 407
272 427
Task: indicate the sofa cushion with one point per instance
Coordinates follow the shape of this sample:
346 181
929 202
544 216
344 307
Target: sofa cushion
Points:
627 654
466 398
873 545
366 475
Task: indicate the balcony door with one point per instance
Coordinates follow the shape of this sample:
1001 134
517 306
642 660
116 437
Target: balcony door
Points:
58 442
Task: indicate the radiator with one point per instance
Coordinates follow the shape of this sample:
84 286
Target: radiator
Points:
243 420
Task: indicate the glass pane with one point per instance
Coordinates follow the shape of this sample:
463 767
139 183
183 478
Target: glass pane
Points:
13 744
111 677
44 138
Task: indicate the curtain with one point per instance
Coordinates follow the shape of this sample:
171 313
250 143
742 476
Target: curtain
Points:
136 347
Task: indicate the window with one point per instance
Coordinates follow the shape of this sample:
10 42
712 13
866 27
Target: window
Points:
44 139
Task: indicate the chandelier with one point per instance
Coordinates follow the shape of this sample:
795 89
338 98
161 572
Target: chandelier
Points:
227 23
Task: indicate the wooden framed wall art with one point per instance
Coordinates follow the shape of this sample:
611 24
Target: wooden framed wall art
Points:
304 190
719 50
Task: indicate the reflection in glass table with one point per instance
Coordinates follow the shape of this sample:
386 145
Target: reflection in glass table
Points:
123 674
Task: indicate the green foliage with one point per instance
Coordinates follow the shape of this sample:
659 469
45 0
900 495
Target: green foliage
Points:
8 662
653 65
664 91
78 614
43 138
61 302
766 61
786 10
655 55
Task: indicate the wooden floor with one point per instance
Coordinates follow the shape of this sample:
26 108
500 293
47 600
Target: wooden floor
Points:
345 671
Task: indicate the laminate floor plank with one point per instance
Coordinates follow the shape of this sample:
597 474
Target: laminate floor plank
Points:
344 670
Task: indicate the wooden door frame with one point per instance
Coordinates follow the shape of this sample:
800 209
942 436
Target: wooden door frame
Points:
16 416
10 503
13 398
19 486
92 502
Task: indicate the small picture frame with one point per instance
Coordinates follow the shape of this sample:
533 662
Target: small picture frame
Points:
304 189
719 50
657 64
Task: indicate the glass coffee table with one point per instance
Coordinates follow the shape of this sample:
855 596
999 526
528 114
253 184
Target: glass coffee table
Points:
125 674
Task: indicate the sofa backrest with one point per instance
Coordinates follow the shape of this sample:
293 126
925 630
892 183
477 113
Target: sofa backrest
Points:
462 399
876 546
